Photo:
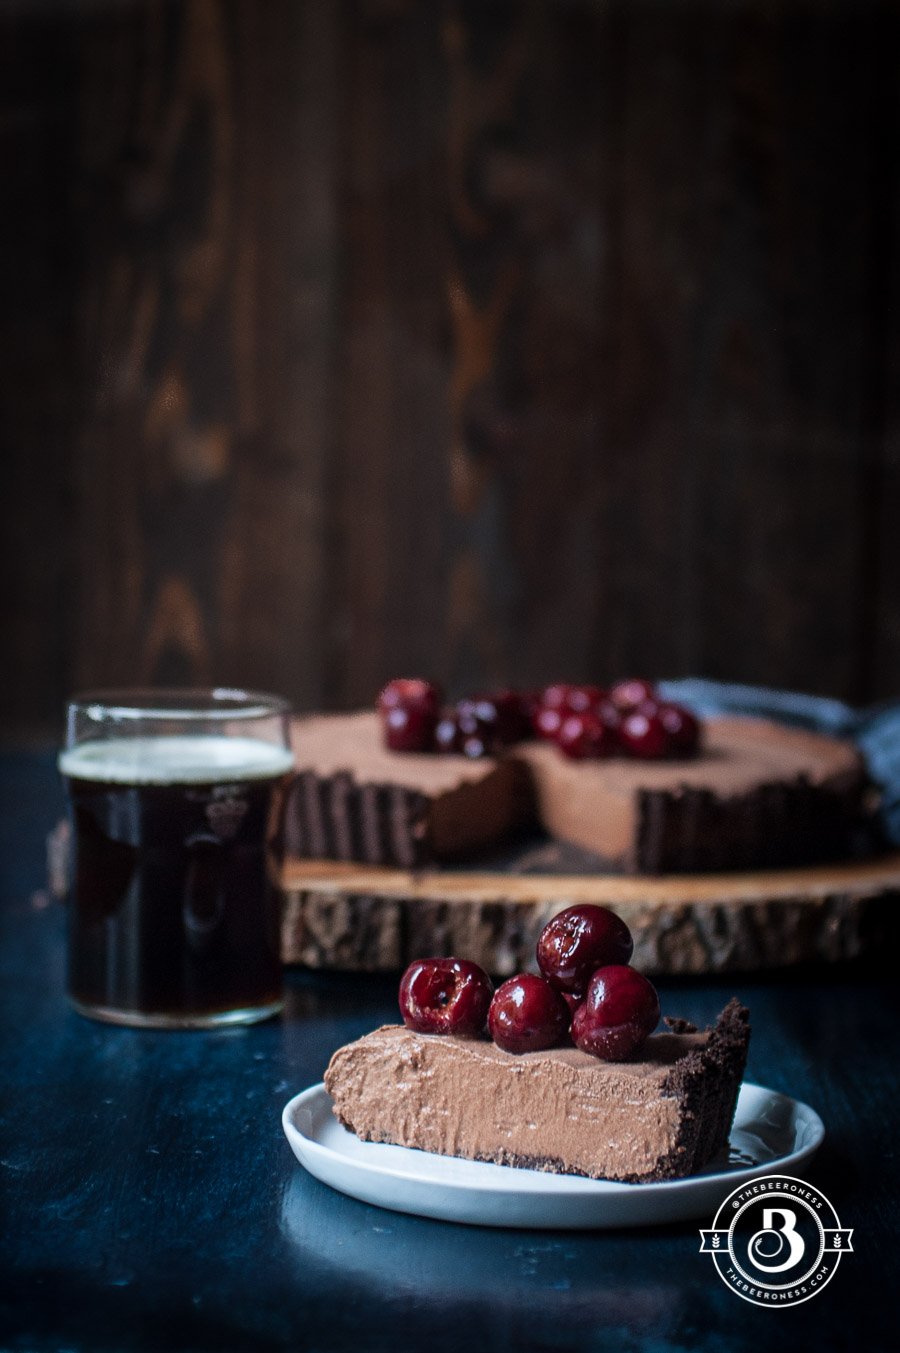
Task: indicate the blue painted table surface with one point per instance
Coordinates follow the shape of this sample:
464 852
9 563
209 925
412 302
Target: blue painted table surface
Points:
150 1200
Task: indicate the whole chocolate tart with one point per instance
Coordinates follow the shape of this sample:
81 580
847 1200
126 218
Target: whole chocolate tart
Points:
662 1116
758 795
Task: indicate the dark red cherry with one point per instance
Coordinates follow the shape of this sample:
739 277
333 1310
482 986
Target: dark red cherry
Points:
408 729
581 699
463 734
527 1014
512 715
619 1012
572 999
448 735
682 729
557 695
628 695
529 704
498 717
547 722
409 711
475 745
585 736
411 693
445 996
608 712
578 941
644 736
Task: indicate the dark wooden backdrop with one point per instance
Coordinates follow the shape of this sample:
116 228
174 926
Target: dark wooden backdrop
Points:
499 341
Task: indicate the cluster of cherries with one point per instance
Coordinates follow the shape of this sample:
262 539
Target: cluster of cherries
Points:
586 994
585 722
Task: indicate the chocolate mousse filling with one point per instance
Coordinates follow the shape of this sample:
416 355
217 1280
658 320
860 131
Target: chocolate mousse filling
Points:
662 1116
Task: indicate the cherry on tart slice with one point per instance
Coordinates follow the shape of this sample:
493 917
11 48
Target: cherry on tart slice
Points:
557 696
527 1014
529 705
578 941
572 999
569 698
586 737
409 709
618 1014
627 695
448 735
445 996
682 728
501 712
462 732
411 693
547 722
608 712
408 730
643 734
584 698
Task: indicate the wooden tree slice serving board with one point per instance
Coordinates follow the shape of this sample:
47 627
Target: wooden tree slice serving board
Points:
370 919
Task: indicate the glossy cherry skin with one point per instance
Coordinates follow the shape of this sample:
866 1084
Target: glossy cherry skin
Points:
578 941
557 695
609 712
501 712
411 693
448 734
445 996
462 733
682 729
514 709
408 729
529 704
584 698
644 735
570 698
409 710
619 1012
547 722
586 737
527 1014
477 745
572 999
627 695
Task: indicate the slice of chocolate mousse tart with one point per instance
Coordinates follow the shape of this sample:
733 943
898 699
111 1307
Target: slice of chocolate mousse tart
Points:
559 1072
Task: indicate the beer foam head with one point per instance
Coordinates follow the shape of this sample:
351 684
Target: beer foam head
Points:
182 760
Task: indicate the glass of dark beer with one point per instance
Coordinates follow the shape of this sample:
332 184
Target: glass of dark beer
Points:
176 800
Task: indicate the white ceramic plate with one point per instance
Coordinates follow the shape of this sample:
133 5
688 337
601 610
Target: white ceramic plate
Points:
771 1133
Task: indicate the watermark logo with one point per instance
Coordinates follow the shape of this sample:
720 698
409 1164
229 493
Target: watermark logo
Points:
776 1241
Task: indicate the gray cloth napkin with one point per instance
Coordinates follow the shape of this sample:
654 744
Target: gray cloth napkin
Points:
876 731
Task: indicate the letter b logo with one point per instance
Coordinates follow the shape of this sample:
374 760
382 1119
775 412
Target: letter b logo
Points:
777 1248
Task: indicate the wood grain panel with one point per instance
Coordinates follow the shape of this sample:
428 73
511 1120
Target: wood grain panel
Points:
154 473
276 593
498 341
391 423
40 393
